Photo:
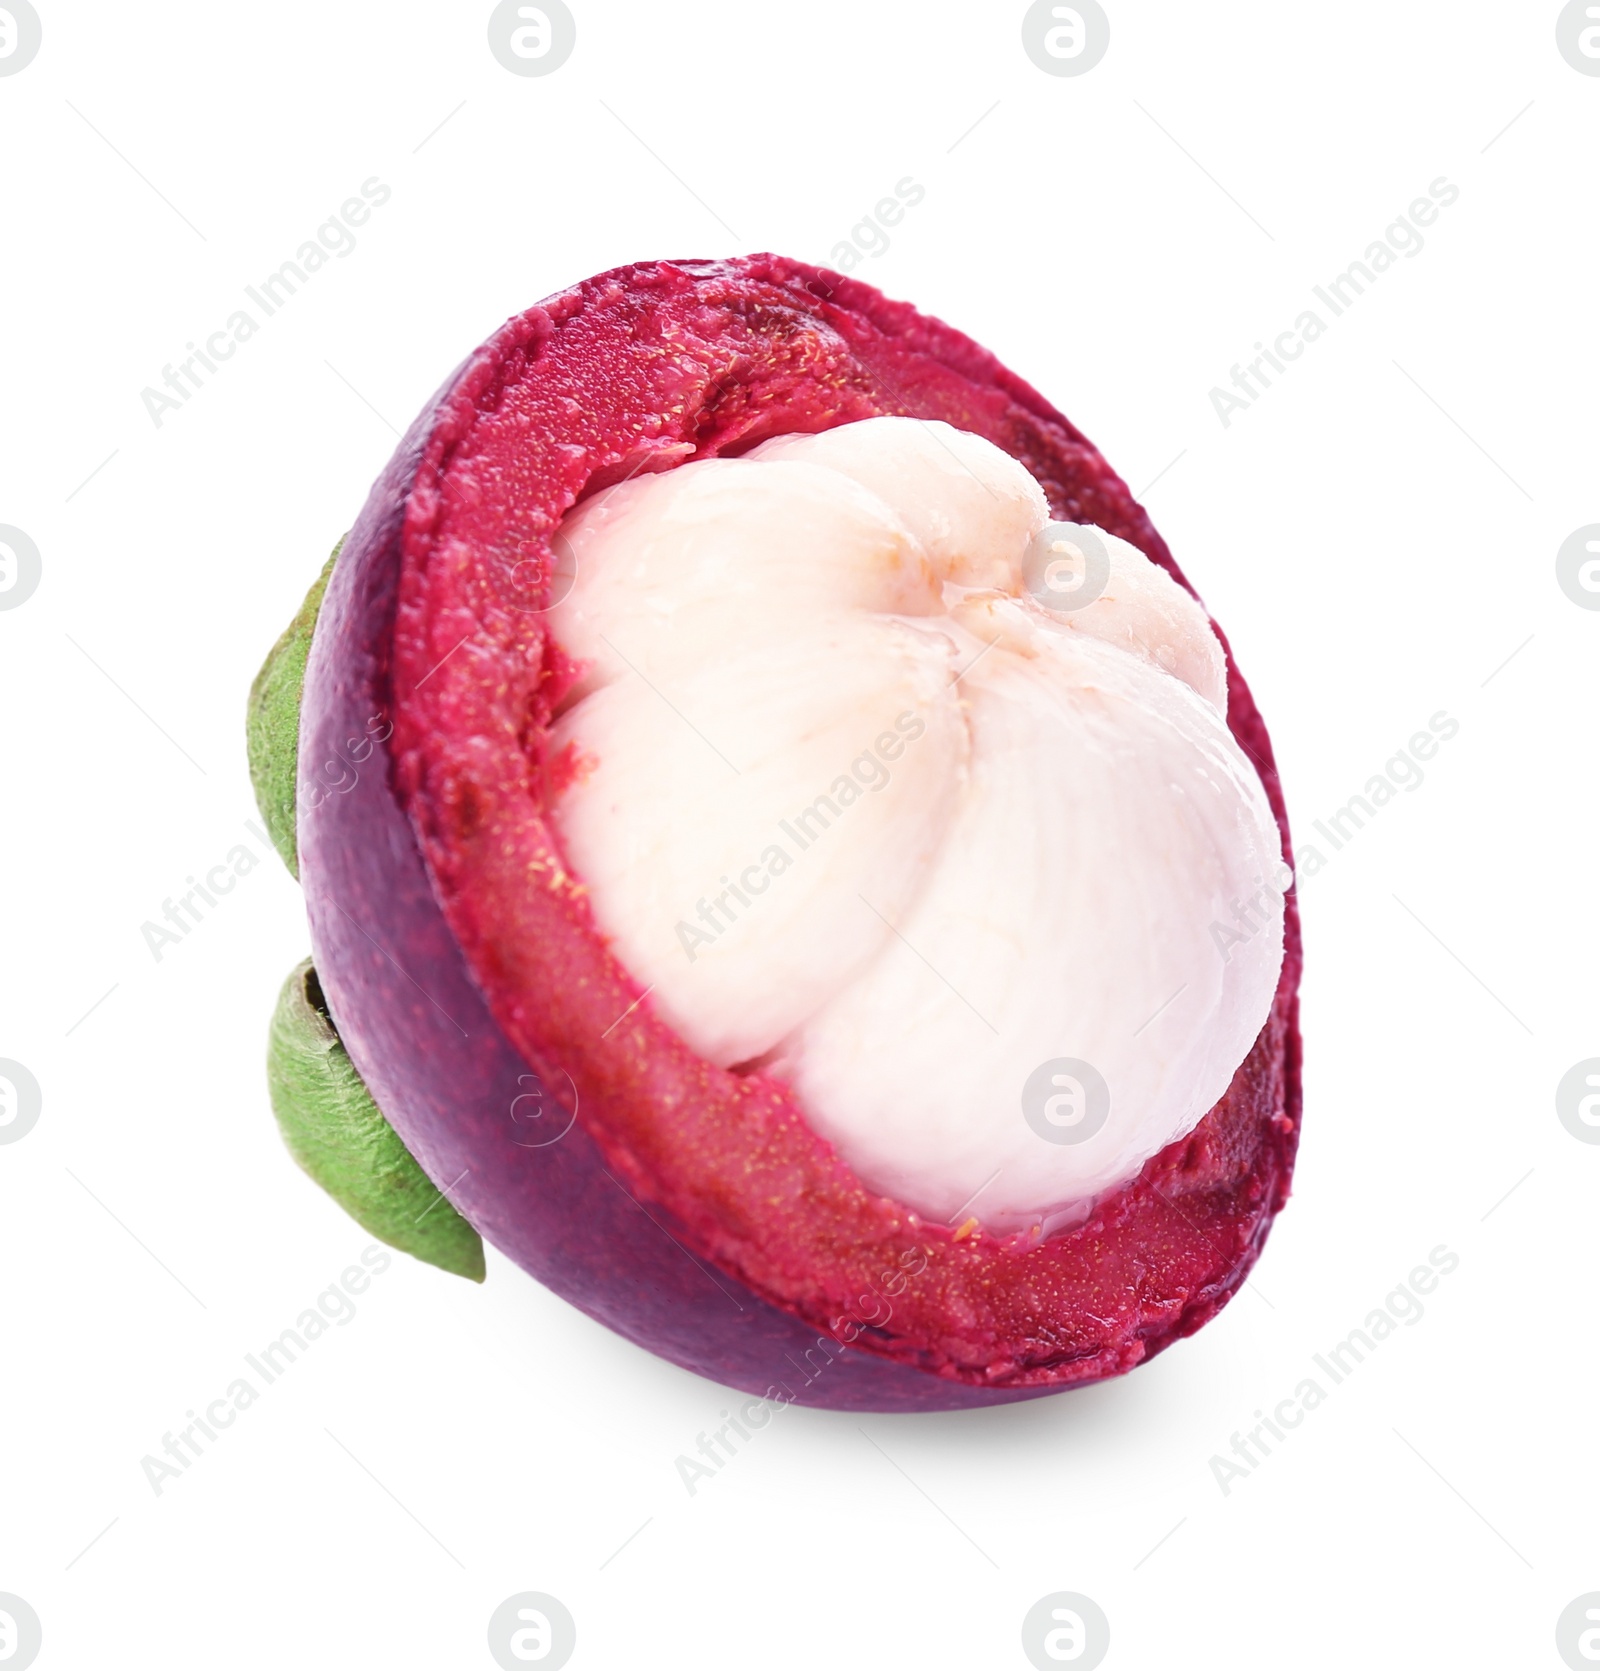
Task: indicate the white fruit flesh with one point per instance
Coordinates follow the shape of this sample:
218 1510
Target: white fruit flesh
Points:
860 810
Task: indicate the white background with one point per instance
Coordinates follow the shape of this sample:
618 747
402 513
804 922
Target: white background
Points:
1375 552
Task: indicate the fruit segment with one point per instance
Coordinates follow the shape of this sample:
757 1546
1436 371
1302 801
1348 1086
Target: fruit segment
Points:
729 820
1108 821
972 507
670 570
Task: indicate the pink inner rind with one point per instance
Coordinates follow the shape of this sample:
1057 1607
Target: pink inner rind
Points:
431 616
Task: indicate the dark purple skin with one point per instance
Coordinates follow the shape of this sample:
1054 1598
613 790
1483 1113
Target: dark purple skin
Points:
427 1048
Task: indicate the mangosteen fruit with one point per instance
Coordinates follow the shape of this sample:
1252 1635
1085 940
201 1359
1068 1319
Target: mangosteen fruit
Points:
790 862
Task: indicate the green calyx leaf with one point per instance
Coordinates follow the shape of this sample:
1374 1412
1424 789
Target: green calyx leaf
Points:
272 725
338 1134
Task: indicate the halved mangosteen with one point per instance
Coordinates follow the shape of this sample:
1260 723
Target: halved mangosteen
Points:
787 856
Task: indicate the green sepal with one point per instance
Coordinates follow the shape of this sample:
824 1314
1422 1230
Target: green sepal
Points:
338 1134
272 724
